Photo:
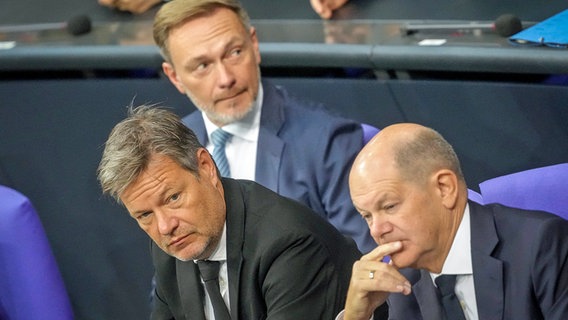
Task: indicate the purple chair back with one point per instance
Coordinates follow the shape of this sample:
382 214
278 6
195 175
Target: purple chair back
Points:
474 196
368 132
544 188
31 286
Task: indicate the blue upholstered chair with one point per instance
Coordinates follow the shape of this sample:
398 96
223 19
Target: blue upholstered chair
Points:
544 188
369 132
474 196
31 286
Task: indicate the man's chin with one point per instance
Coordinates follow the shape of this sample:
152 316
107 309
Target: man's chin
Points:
232 111
187 257
187 253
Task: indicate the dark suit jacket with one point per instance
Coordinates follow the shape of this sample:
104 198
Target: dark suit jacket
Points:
305 153
520 268
284 262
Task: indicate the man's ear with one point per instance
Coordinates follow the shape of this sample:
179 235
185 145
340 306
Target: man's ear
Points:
447 186
170 71
207 168
255 44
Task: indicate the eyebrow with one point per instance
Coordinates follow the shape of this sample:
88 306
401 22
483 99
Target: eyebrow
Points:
229 44
139 212
380 200
162 196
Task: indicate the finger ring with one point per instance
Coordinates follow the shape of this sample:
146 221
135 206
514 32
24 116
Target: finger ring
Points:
371 275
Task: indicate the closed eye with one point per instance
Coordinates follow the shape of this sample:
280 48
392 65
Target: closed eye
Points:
367 217
390 208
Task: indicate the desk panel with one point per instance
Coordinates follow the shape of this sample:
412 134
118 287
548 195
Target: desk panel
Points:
364 34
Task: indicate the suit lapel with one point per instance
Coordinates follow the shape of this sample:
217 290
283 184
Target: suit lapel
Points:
188 274
188 280
195 122
488 271
235 240
270 146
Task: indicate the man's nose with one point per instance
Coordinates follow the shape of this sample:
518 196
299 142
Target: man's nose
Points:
225 75
379 228
167 222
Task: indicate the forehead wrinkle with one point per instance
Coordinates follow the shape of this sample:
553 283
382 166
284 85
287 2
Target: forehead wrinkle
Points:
225 22
373 198
373 191
145 183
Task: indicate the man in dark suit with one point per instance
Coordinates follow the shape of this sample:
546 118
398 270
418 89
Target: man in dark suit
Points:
277 259
292 147
506 263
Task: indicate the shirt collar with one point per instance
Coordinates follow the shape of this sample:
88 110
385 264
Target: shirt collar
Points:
458 260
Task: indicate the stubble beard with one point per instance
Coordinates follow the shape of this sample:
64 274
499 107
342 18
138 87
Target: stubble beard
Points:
218 118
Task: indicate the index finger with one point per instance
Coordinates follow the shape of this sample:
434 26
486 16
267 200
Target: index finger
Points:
382 251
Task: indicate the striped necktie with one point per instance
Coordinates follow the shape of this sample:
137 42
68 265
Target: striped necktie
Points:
219 139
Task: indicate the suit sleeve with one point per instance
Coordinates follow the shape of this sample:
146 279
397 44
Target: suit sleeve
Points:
551 269
160 310
345 140
317 291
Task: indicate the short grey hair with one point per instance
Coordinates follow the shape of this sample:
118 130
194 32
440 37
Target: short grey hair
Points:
147 130
424 154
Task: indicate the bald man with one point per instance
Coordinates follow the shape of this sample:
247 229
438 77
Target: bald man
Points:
509 263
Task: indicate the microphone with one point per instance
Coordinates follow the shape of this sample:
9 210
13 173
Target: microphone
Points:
76 26
505 25
79 25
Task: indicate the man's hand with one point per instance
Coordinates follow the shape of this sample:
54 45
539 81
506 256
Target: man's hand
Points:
372 281
325 8
134 6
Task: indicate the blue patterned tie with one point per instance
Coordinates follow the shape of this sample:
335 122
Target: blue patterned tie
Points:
219 138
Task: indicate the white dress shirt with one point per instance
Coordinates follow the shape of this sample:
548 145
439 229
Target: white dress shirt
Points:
241 149
459 263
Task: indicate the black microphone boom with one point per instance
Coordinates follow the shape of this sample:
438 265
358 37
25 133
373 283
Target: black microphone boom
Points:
505 25
77 25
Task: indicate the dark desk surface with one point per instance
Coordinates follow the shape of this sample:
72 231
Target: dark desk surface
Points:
365 34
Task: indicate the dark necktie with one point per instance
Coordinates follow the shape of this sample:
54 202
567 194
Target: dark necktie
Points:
210 274
450 302
219 139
